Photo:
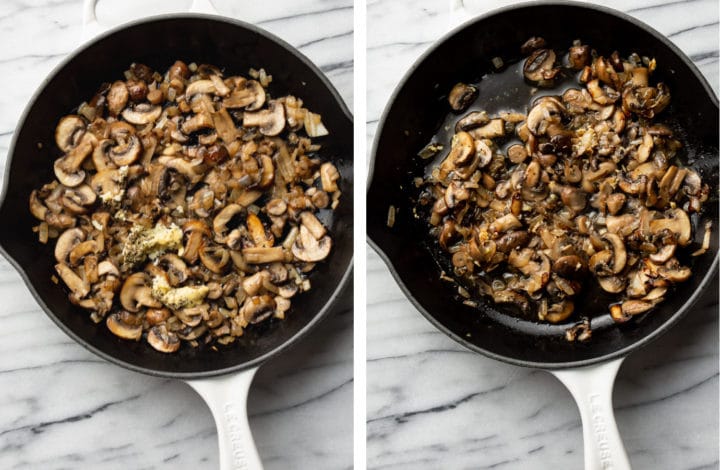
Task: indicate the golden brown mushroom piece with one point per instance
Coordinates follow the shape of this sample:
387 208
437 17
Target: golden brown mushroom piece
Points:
69 131
270 121
461 96
163 340
137 293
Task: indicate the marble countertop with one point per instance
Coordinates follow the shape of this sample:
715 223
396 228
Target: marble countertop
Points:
432 404
63 408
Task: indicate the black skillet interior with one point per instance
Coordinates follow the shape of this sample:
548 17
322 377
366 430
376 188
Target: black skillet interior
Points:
415 114
158 42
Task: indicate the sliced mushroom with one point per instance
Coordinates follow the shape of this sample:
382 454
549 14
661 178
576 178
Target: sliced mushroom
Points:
309 249
79 287
663 254
68 169
215 258
461 96
81 250
142 114
270 121
618 250
257 309
66 242
579 56
136 293
222 218
117 97
539 66
68 132
263 255
77 200
546 111
472 121
163 340
635 307
316 228
329 177
612 284
120 325
677 222
249 95
560 312
197 122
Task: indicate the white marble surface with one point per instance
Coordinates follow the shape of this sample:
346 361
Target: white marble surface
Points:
432 404
63 408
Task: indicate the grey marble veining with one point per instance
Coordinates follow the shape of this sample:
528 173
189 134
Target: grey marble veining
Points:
432 404
63 408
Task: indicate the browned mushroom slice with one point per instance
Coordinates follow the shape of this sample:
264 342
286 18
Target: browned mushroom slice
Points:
472 120
579 56
249 95
72 280
66 242
68 132
619 253
121 325
199 87
546 111
192 316
37 208
225 126
270 121
646 101
163 340
560 312
215 258
612 284
257 309
81 250
329 177
117 97
539 66
677 222
635 307
309 249
127 146
663 254
312 223
195 231
461 96
462 153
142 114
617 314
222 218
570 267
197 122
257 232
494 128
263 255
77 200
137 293
68 169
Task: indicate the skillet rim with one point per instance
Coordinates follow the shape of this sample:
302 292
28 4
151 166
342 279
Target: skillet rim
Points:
618 353
258 361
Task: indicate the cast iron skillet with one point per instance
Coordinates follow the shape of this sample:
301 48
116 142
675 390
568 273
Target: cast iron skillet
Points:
158 42
413 116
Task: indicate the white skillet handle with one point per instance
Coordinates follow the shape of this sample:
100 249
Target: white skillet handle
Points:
91 26
227 398
592 389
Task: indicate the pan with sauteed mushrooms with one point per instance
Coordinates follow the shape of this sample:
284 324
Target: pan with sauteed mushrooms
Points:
581 192
187 205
